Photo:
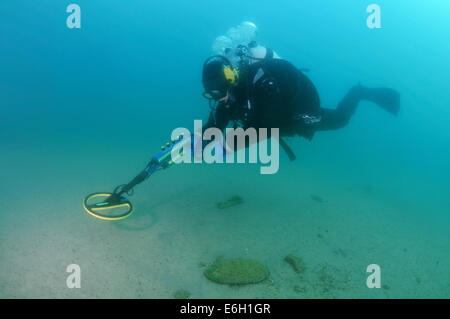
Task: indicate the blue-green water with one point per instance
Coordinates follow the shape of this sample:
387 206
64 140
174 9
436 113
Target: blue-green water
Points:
83 110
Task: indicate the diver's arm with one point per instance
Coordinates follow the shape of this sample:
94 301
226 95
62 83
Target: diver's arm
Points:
218 118
210 123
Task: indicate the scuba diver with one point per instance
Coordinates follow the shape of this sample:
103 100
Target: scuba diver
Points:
251 86
273 93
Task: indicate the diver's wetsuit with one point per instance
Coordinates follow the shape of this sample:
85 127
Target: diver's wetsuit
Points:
272 93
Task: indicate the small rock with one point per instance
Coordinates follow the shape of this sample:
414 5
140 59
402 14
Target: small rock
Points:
182 294
233 201
296 262
317 198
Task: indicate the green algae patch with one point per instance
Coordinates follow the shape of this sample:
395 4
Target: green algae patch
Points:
237 271
182 294
233 201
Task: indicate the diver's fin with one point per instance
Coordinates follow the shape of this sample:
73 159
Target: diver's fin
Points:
287 149
386 98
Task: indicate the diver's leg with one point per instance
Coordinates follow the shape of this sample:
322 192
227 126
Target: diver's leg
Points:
330 119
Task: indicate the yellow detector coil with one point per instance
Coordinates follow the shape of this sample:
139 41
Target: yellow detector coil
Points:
106 206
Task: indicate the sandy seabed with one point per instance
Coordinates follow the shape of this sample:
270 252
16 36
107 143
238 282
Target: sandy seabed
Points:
176 229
